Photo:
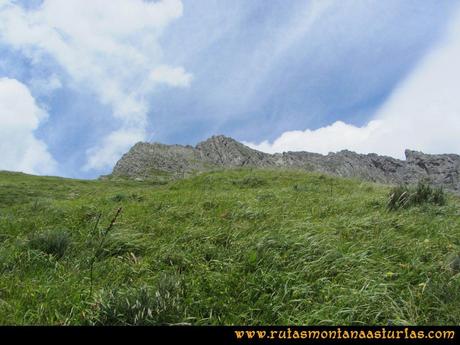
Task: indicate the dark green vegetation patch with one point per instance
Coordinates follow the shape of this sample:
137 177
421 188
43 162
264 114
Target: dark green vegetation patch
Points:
53 242
234 247
407 196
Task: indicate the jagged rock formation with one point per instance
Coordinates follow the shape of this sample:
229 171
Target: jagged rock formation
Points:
218 152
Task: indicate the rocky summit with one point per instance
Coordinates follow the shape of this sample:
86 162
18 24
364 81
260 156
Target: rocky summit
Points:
145 160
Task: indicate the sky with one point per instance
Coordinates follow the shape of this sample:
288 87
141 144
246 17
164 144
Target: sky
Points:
81 81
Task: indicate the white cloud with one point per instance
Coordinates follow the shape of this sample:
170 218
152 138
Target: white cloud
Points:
107 46
335 137
171 76
423 113
112 145
20 116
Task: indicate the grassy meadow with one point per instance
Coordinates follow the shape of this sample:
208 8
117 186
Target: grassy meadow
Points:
238 247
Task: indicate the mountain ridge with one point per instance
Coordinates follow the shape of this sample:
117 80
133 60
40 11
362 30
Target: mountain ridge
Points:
221 152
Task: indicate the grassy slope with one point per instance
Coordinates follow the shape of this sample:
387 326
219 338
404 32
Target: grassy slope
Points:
235 247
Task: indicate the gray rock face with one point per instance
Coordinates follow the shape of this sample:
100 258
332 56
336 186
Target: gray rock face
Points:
145 159
218 152
227 152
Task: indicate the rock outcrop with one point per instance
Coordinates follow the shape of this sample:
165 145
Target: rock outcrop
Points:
220 152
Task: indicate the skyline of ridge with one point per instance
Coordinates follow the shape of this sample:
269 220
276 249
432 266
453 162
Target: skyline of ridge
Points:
80 83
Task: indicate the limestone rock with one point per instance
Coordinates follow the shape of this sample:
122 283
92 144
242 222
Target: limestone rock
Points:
220 152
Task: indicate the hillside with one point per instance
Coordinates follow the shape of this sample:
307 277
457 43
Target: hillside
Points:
147 160
229 247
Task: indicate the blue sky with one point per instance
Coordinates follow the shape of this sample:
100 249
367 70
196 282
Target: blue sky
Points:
80 82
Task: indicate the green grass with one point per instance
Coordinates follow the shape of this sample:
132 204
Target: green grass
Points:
408 196
235 247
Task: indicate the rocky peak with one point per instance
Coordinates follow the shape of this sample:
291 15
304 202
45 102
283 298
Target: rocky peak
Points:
228 152
220 152
442 169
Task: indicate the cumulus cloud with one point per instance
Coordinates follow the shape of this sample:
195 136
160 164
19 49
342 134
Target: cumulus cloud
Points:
423 113
20 116
109 47
171 76
335 137
109 150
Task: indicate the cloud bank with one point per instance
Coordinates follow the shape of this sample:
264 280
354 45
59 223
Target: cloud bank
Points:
423 113
20 116
109 47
